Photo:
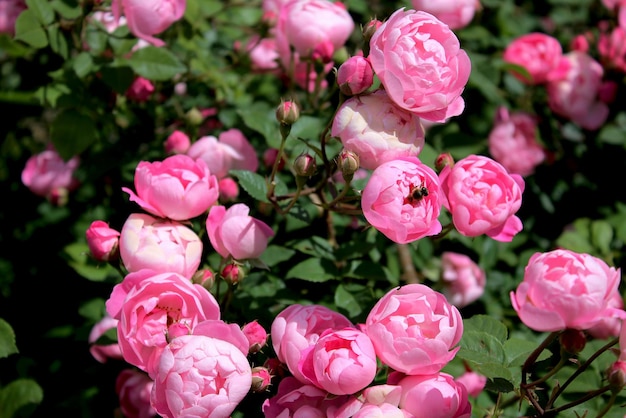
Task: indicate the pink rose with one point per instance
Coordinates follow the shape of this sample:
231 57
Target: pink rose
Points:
9 11
46 173
455 13
298 327
608 327
102 241
540 54
384 410
200 376
216 328
256 335
231 151
463 280
140 90
473 382
103 352
154 305
402 200
377 130
146 18
177 143
342 361
434 396
612 48
160 245
263 54
513 142
234 233
414 329
229 189
575 97
178 188
563 289
419 61
133 389
482 197
355 75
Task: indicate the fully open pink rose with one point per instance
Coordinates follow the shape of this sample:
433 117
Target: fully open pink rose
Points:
164 246
133 389
540 54
482 197
377 130
564 289
46 172
298 327
455 13
146 18
200 376
233 232
154 304
102 241
177 188
419 61
463 280
434 396
402 200
414 329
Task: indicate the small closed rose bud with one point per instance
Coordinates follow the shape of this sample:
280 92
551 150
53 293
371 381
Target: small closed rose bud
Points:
204 277
616 375
103 241
287 113
261 379
443 160
229 189
256 335
573 341
233 273
348 164
177 143
355 75
368 31
305 165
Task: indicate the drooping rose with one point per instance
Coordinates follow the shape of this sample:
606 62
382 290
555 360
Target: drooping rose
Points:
421 65
463 280
540 54
377 130
146 18
608 327
103 352
133 389
46 173
103 241
455 13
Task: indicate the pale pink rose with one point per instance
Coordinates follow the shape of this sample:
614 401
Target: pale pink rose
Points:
102 241
256 335
177 142
564 289
414 329
140 90
160 245
154 304
612 49
263 54
355 75
608 327
298 327
178 188
377 130
296 399
402 200
314 28
216 328
9 11
540 54
107 20
133 389
342 361
463 280
455 13
46 173
434 396
384 410
482 197
231 151
575 97
419 61
473 382
271 9
146 18
103 352
513 142
233 232
200 376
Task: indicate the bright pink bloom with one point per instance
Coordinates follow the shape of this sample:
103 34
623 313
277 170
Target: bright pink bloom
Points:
455 13
355 75
256 335
102 241
482 197
342 362
540 54
177 143
200 376
232 151
377 130
473 382
575 97
133 389
563 289
298 327
609 327
160 245
233 232
149 305
146 18
47 172
178 188
414 329
229 189
463 280
612 49
103 352
140 90
402 200
434 396
9 11
216 328
419 61
513 142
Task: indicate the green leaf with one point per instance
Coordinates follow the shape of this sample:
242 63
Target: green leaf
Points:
17 394
29 30
611 134
69 9
83 64
486 324
72 132
118 78
58 43
275 254
481 348
313 270
157 64
7 339
602 235
347 301
517 351
316 246
50 94
42 10
254 184
261 117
